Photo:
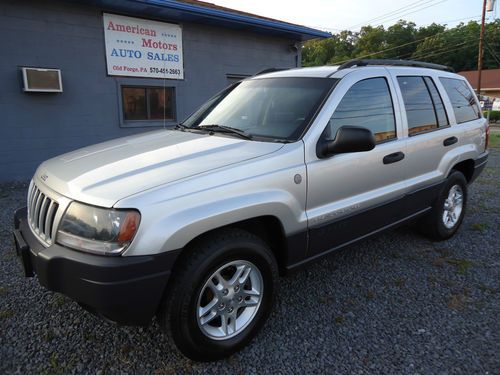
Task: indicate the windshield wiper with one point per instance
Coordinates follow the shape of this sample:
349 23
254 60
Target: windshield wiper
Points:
226 129
181 127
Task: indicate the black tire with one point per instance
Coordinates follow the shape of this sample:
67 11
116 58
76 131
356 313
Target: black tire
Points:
177 316
432 225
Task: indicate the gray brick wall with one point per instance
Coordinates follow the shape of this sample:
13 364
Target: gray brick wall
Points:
52 34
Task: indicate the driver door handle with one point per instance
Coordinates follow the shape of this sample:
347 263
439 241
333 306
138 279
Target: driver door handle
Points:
393 158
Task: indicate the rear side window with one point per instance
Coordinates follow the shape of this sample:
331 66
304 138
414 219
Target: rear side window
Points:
421 108
438 102
462 99
368 104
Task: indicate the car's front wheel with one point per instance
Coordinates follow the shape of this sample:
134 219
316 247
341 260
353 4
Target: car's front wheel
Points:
221 294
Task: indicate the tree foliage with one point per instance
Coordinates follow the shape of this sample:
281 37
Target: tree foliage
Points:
456 47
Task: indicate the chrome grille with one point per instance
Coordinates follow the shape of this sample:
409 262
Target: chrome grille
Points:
41 213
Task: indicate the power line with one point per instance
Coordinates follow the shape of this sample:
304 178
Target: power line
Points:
417 54
333 29
461 19
396 47
454 48
326 28
470 38
409 10
411 5
492 52
405 14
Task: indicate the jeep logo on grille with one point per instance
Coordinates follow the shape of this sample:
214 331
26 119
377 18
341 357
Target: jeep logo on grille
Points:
44 177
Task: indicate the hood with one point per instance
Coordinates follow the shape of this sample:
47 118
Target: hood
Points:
104 173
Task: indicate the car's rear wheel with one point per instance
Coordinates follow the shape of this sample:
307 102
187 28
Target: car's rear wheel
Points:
221 294
449 209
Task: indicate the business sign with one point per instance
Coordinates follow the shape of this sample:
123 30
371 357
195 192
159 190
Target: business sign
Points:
142 48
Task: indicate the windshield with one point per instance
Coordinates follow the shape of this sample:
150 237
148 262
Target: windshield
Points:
268 108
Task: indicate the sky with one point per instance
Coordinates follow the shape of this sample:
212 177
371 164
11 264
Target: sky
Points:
335 15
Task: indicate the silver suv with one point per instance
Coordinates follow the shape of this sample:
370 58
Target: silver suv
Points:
193 225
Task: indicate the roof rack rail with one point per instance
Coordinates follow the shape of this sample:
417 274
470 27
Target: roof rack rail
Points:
419 64
270 70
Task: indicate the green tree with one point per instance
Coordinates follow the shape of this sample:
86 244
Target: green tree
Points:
321 52
492 45
401 34
456 47
370 40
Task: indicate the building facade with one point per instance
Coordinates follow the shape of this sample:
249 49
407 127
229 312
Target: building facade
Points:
125 67
490 81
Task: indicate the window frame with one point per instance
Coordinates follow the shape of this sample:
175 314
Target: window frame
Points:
433 105
300 132
476 99
139 123
396 134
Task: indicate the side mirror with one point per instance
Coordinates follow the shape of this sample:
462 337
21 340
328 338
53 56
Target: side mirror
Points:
348 139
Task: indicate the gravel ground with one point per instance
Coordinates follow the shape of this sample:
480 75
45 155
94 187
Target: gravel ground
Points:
393 304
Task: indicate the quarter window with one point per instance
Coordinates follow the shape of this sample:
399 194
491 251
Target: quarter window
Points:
462 100
368 104
438 102
421 114
147 103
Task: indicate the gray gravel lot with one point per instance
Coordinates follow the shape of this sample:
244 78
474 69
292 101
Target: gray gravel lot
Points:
397 303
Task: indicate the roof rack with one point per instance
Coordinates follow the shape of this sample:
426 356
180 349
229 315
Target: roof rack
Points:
270 70
419 64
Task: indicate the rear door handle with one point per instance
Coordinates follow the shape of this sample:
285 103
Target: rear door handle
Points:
450 141
393 158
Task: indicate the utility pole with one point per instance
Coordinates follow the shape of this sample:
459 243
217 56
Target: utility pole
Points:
481 51
488 6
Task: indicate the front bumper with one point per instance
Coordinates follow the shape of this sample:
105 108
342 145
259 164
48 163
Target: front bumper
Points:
126 290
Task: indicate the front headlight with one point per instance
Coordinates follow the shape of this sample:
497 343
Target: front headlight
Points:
97 230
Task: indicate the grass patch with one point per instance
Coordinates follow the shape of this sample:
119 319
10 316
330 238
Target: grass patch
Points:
89 336
400 282
4 314
458 301
494 140
55 367
490 194
9 255
449 283
3 291
370 294
479 227
444 251
325 300
462 265
486 289
438 262
49 336
492 181
340 319
60 300
124 352
432 279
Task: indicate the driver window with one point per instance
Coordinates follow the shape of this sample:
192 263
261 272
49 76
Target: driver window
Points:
368 104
